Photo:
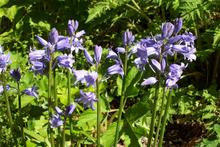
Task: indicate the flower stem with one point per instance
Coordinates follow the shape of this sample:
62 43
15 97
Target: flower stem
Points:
98 110
69 101
63 133
20 115
55 87
153 118
165 118
122 99
50 131
160 117
7 104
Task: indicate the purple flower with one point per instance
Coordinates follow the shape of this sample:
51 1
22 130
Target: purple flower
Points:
56 121
178 25
88 57
58 110
112 55
88 99
37 55
174 75
167 29
16 75
116 69
127 38
72 27
149 81
80 75
2 88
31 91
120 50
91 78
65 61
70 109
53 36
4 62
38 67
97 54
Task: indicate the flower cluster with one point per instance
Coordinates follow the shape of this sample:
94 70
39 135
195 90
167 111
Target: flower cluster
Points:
57 43
117 68
56 119
89 78
155 51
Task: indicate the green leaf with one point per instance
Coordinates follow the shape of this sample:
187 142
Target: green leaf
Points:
87 119
129 131
216 38
136 111
217 130
32 134
99 9
108 137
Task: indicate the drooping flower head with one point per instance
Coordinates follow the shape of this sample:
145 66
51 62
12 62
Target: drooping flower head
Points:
97 53
31 91
127 38
70 108
65 61
56 121
174 75
88 99
4 60
16 75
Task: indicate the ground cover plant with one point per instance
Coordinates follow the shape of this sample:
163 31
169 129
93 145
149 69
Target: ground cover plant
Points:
105 77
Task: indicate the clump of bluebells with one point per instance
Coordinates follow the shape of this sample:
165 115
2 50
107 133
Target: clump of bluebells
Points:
166 55
155 53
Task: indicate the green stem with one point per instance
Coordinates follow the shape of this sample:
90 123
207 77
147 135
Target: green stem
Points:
165 118
55 87
20 115
7 104
98 110
122 99
63 133
69 102
50 131
153 118
160 117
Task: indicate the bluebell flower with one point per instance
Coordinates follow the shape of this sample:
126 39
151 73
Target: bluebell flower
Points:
97 53
127 38
38 67
149 81
58 110
65 61
31 91
35 55
91 78
88 99
72 27
4 62
70 108
56 121
167 29
80 75
88 57
174 75
178 23
16 75
55 41
116 69
2 88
